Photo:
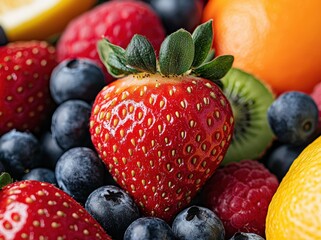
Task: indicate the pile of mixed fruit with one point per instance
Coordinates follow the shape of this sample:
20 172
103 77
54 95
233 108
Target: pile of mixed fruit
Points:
128 125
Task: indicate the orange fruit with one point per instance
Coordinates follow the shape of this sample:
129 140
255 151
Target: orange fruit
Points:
38 19
278 41
295 209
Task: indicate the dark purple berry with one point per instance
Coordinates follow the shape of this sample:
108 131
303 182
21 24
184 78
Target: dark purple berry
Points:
70 124
79 171
198 223
280 159
19 152
176 14
51 150
293 117
149 228
76 79
42 175
113 208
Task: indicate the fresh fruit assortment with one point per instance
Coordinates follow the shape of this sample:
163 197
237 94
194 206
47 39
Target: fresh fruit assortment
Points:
135 124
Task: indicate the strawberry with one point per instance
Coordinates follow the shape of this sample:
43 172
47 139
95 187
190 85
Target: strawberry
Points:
163 130
116 20
25 68
35 210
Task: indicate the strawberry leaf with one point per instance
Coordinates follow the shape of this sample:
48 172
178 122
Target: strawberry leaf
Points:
203 38
215 69
113 57
5 179
176 53
140 54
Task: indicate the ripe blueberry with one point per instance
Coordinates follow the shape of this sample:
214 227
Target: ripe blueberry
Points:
293 117
198 223
149 228
113 208
76 79
79 171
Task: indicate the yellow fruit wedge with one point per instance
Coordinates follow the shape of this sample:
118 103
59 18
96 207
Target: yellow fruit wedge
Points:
38 19
295 209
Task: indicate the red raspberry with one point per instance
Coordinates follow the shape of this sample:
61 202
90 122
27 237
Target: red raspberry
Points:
116 20
316 95
239 193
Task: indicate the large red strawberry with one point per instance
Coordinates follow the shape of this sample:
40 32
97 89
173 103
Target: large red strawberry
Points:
163 130
34 210
116 20
25 69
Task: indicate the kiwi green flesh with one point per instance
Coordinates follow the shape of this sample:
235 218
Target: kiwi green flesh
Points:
250 100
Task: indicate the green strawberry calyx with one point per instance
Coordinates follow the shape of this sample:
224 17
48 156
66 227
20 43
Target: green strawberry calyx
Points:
181 53
5 179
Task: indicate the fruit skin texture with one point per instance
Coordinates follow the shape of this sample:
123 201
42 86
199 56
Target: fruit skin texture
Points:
118 21
161 137
113 208
25 101
293 117
266 44
47 23
79 172
150 228
31 209
76 79
294 212
178 14
69 124
198 223
239 193
19 152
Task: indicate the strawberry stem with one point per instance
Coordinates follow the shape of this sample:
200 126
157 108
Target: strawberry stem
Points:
181 53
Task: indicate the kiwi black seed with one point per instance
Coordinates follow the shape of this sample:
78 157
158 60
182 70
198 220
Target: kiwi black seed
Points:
249 99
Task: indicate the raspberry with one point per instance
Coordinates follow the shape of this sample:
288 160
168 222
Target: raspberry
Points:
118 21
316 95
239 193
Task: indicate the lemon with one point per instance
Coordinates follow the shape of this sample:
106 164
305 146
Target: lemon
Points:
295 209
38 19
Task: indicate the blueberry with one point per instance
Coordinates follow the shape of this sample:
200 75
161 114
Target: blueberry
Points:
19 152
113 208
51 150
176 14
70 124
280 159
293 117
42 175
149 228
198 223
79 171
246 236
76 79
3 37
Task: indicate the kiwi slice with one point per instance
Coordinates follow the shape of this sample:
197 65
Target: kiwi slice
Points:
250 100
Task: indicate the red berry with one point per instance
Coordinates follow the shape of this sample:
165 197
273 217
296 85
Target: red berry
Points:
34 210
25 69
161 137
118 21
239 193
